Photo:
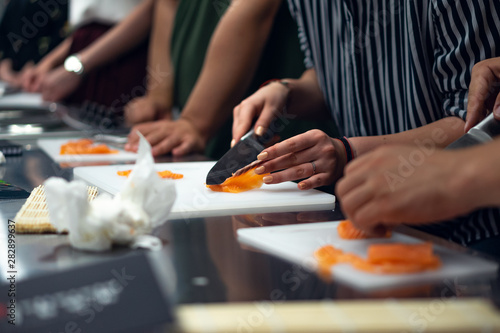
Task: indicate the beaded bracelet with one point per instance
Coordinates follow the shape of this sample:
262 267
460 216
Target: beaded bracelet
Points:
348 149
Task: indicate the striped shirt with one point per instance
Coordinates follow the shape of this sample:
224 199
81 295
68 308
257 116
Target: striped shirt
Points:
387 66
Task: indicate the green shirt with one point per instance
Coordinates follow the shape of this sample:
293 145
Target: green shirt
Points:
193 27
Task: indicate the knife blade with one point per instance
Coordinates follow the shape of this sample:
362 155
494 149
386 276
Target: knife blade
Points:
115 141
242 154
6 90
483 132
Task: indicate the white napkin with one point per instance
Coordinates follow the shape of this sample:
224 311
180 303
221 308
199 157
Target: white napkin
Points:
143 204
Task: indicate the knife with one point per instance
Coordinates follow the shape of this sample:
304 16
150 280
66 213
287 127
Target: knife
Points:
483 132
111 140
242 154
8 90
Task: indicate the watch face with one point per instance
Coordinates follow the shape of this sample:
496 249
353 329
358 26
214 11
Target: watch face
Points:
73 64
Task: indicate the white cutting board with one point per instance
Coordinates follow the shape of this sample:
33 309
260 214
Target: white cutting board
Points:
194 199
53 146
23 99
297 243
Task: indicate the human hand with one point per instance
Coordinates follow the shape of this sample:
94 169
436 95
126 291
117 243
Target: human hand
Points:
483 92
400 184
165 136
265 105
32 77
312 156
59 84
143 109
7 73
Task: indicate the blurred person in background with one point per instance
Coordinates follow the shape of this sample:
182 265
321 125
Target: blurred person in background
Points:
104 57
254 41
28 31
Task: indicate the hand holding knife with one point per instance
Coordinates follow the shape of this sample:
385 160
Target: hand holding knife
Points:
483 132
239 158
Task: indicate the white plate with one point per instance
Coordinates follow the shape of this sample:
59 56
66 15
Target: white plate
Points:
297 243
53 146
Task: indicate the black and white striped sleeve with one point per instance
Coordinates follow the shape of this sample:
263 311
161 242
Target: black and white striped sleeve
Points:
465 33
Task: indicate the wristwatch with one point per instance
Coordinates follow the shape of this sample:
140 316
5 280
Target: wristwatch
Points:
73 64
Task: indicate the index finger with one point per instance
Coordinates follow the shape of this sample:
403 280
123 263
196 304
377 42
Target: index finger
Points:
484 75
166 145
28 81
36 83
478 94
133 137
292 145
243 115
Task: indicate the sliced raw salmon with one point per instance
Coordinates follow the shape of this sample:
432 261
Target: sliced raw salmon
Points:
163 174
240 183
124 173
170 174
347 230
420 253
390 258
85 146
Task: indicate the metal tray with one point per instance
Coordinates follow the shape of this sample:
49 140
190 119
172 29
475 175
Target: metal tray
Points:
19 120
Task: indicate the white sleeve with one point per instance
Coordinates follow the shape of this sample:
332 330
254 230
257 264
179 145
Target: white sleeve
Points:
82 12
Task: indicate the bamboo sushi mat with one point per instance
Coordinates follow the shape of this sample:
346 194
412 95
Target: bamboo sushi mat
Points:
33 217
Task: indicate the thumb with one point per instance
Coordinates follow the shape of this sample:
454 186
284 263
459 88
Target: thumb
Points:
496 108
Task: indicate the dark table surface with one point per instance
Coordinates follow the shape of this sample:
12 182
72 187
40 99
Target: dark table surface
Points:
208 262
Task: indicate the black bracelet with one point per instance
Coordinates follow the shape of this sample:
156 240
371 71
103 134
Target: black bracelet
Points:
349 154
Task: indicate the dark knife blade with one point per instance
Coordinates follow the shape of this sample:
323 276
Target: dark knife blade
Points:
242 154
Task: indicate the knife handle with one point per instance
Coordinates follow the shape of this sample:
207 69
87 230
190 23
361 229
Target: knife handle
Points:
262 140
249 133
483 132
489 126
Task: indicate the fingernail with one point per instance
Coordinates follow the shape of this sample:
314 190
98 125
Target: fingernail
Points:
260 169
497 112
233 142
259 131
262 156
302 186
267 179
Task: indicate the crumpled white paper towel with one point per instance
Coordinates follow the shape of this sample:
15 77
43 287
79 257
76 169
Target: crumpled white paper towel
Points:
127 219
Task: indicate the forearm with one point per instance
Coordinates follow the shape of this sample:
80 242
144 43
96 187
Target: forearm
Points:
234 52
478 174
160 71
438 134
56 56
305 98
123 37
